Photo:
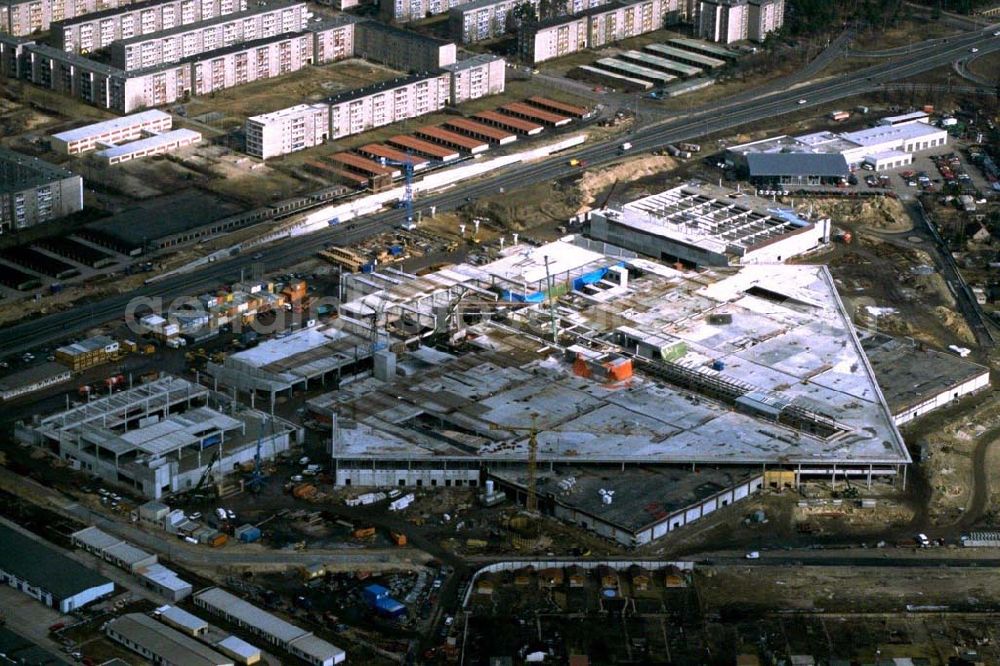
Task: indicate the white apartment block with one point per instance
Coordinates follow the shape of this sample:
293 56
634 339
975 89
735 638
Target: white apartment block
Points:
387 102
622 21
116 130
593 28
26 17
252 61
403 11
401 49
483 19
97 31
259 22
288 130
766 16
33 191
724 21
552 39
476 77
333 39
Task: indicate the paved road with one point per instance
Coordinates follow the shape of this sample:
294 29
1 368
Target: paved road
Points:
961 68
725 114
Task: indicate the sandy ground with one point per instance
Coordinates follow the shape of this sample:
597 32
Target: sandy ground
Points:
879 213
594 182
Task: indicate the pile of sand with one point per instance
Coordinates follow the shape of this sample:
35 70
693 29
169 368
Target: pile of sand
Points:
882 213
593 182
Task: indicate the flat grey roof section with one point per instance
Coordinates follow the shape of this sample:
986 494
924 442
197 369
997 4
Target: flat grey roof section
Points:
910 374
95 538
671 52
166 643
642 496
798 164
283 632
181 618
321 651
784 347
636 71
19 171
704 47
43 566
661 63
50 370
96 129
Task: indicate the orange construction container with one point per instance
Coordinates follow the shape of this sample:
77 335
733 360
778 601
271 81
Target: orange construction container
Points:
219 539
364 533
398 538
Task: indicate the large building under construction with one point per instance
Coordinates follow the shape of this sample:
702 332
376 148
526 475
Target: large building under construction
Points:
608 360
160 438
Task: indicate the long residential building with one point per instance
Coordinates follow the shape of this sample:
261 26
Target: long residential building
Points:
250 61
307 125
401 49
387 102
34 192
186 41
476 77
333 39
403 11
26 17
593 28
484 19
288 130
95 31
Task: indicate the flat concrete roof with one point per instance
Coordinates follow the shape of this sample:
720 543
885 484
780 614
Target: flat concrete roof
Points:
635 71
135 120
219 599
642 496
166 643
712 218
911 374
672 52
661 63
703 46
780 379
558 107
151 143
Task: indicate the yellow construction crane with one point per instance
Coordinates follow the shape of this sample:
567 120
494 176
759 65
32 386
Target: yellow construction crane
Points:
531 501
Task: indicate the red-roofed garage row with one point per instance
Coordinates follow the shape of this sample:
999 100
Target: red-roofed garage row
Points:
510 123
376 151
421 147
480 131
357 164
555 106
452 140
339 175
528 112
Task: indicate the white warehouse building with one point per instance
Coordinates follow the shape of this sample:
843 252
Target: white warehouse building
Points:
703 225
885 146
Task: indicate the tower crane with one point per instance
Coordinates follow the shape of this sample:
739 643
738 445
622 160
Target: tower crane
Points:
408 190
531 501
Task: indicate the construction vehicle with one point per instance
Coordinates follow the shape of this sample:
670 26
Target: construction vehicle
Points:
576 163
207 474
364 533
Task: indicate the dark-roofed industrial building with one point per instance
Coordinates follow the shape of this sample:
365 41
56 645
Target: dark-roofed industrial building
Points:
46 574
796 168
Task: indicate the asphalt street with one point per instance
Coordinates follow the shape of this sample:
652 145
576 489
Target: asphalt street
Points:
723 115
